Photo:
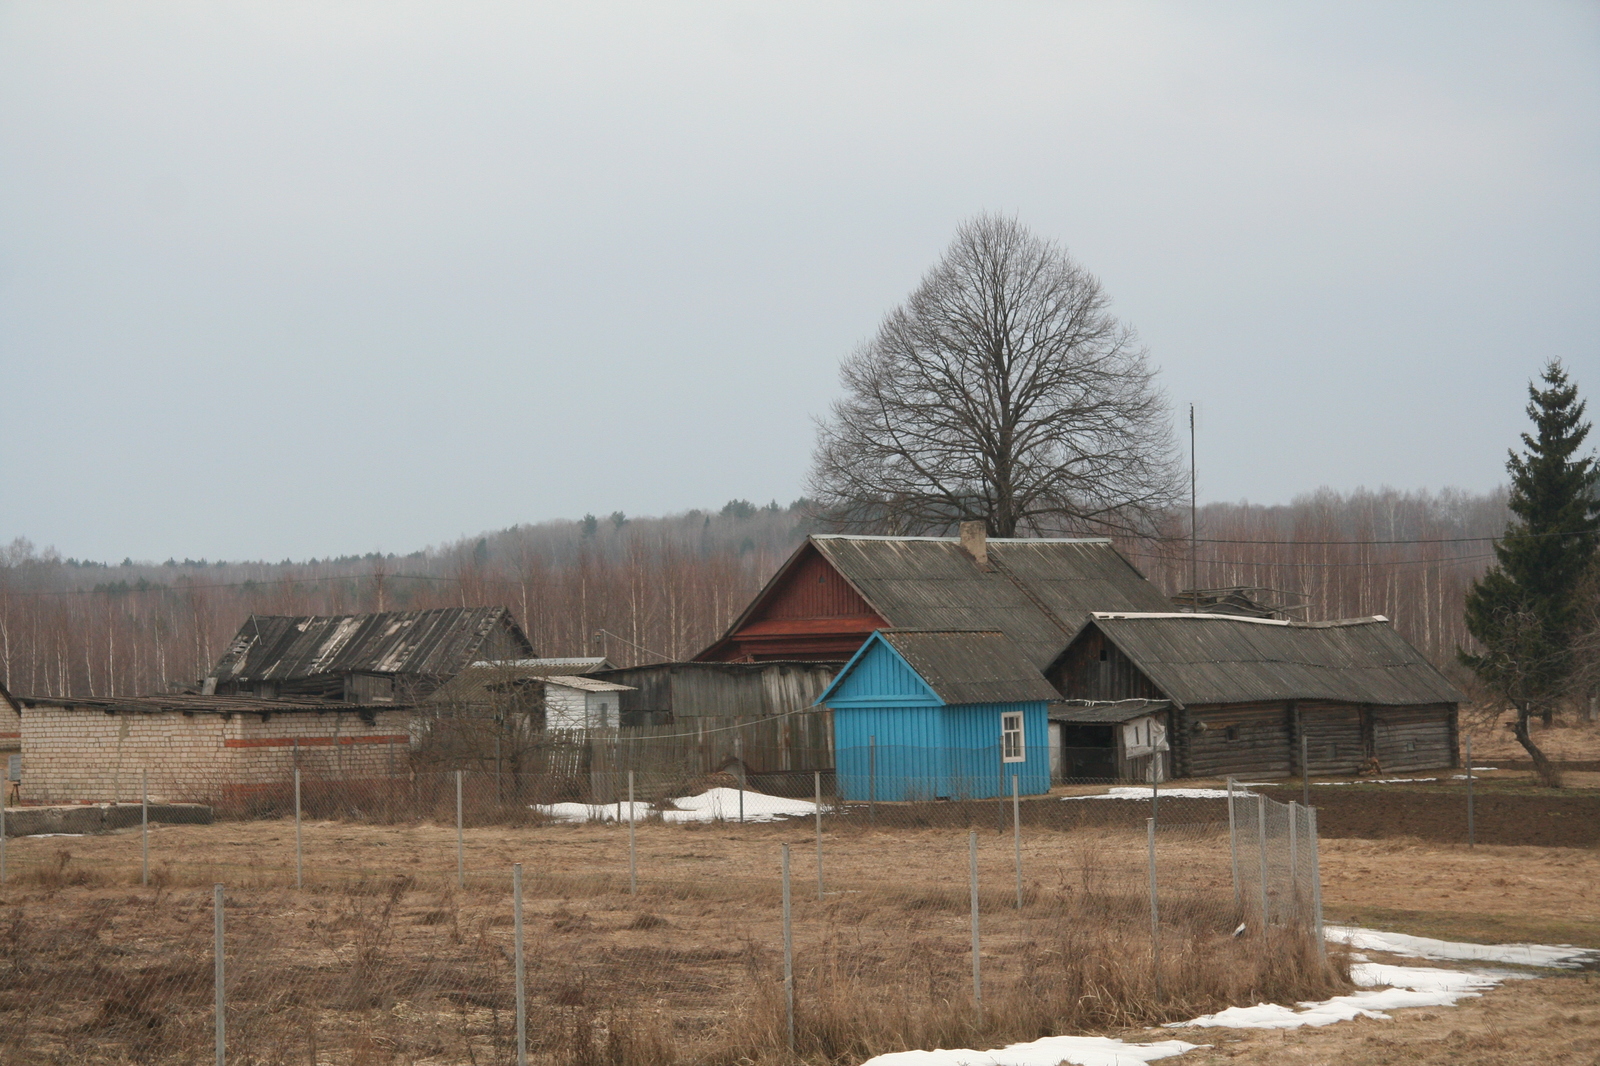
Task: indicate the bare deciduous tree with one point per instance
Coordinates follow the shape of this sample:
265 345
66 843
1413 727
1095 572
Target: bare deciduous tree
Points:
1002 390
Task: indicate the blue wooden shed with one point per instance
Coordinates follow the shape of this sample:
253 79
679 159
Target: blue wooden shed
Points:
939 714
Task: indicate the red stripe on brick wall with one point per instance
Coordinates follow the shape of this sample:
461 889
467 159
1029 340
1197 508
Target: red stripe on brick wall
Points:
315 742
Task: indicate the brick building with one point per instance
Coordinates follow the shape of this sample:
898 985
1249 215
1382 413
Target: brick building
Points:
201 748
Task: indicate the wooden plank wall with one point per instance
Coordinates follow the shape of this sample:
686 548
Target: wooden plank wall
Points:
666 759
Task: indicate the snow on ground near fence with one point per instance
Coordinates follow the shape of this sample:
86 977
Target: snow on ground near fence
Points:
1128 792
1561 956
1050 1051
1384 987
1406 986
714 805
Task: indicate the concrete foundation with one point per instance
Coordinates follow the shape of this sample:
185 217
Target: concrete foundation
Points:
99 817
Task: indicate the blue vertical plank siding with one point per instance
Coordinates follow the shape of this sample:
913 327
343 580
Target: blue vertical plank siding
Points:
972 741
925 749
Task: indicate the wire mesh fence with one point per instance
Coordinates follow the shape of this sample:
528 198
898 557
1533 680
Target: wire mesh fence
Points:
699 919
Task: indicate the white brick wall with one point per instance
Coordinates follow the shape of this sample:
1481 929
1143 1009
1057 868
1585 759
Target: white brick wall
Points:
84 755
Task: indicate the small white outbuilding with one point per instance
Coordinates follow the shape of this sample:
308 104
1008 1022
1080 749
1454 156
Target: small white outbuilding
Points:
572 702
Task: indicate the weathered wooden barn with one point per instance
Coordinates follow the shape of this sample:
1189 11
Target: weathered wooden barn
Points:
201 748
834 591
921 714
363 658
757 719
1243 691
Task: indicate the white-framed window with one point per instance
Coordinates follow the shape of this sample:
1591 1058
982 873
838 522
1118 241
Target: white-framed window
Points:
1012 748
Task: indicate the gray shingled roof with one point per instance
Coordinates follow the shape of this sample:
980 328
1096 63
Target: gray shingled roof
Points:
1039 592
962 666
436 643
1209 659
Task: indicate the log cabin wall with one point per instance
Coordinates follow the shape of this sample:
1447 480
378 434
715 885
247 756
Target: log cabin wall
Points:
1414 738
1246 740
1334 737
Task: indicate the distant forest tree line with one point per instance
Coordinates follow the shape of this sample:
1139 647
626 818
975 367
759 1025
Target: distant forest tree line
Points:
645 589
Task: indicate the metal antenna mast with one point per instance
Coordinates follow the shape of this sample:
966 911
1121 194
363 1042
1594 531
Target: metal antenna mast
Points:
1194 571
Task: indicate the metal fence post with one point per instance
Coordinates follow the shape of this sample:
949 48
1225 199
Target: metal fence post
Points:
522 987
1233 851
299 866
1472 835
1261 835
872 779
817 774
633 852
1305 767
2 837
1294 860
1316 880
788 949
144 827
977 965
738 751
1016 833
461 861
1155 911
220 1002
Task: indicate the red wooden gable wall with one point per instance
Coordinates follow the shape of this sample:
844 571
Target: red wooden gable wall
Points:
811 613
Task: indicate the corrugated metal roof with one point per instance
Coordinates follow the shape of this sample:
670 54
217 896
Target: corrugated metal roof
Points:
588 684
189 703
965 666
483 681
1208 659
1038 592
1106 713
437 643
582 664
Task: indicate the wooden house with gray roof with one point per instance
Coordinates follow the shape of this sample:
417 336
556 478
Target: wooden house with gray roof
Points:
836 590
1246 696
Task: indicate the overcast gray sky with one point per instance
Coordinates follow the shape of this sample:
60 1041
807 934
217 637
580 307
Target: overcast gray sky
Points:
293 279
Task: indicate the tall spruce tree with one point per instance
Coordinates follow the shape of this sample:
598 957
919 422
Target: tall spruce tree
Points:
1525 611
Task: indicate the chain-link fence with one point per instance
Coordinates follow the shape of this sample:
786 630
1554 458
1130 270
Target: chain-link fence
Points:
661 918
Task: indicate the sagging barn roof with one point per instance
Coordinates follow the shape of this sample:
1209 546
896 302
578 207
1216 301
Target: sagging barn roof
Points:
1198 659
1037 591
434 644
964 666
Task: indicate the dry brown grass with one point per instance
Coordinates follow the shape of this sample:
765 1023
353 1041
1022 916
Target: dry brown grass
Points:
383 959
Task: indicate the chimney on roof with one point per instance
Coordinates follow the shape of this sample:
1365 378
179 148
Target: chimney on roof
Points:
975 542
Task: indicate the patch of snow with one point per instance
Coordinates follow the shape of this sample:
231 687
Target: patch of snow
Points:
717 804
39 836
1380 781
1050 1051
593 812
1560 956
1131 792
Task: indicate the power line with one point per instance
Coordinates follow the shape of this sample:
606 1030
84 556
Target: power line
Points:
1503 538
1453 560
263 584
